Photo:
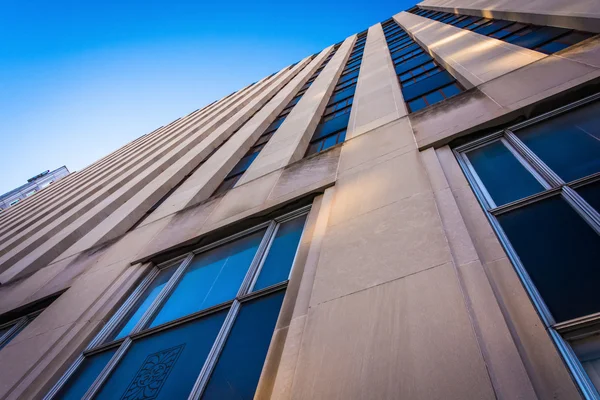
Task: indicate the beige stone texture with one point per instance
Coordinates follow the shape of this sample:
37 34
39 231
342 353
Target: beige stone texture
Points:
266 193
62 330
71 198
299 277
290 142
361 152
507 97
540 80
55 233
400 288
203 182
505 367
472 58
124 217
545 369
582 15
405 339
388 243
378 99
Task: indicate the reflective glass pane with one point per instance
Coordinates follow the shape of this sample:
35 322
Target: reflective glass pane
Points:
417 104
587 350
313 148
591 194
560 251
213 277
85 375
568 143
239 366
166 364
138 310
3 331
504 177
434 97
278 263
330 141
451 90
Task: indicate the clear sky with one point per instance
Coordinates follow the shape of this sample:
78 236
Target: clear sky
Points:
79 79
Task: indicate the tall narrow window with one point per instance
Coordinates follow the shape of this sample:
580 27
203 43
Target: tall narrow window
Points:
423 81
242 166
547 39
334 122
12 323
539 184
199 325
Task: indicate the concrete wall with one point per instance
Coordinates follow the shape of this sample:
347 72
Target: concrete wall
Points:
400 288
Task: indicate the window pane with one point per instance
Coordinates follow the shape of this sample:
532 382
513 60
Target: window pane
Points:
137 311
213 277
560 252
434 97
85 375
240 364
451 90
504 177
313 148
278 263
588 351
330 141
416 105
539 36
591 194
569 143
425 86
166 364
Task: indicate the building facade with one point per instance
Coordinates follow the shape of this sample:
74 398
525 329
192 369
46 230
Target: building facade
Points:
32 186
412 213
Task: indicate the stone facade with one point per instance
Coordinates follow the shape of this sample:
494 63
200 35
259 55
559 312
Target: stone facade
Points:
400 289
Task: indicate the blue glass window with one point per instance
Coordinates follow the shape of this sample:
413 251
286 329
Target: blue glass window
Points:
412 63
504 177
164 365
330 126
427 85
85 375
560 252
546 39
537 37
213 277
276 267
166 362
416 105
240 364
149 295
342 94
494 26
569 143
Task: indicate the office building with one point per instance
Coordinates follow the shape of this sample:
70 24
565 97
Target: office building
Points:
411 213
33 185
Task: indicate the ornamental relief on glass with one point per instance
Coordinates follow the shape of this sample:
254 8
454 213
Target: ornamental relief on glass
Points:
152 375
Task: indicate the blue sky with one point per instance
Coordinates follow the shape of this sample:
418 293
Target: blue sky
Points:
79 79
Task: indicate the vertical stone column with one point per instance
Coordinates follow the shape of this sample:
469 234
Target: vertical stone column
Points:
378 98
581 15
472 58
291 139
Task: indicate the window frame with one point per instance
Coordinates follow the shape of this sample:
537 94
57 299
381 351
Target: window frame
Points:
18 324
554 186
181 263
